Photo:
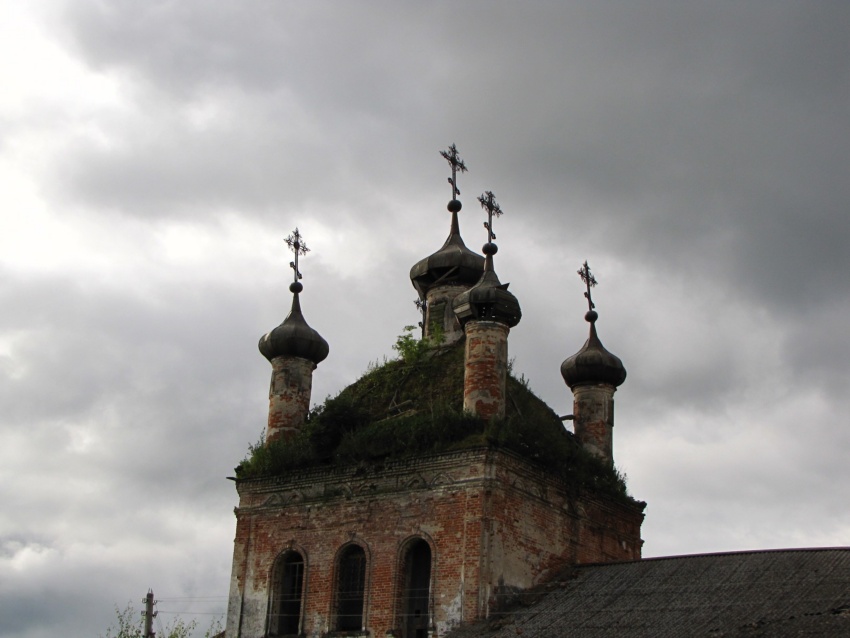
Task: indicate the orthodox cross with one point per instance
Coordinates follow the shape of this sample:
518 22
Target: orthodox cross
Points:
488 203
590 281
296 245
457 164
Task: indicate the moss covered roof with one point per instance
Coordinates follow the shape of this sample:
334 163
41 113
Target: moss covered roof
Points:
434 382
407 408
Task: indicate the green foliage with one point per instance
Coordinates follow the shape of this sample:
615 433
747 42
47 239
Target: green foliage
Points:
131 624
437 334
438 431
412 407
275 459
329 423
412 350
557 451
395 395
409 348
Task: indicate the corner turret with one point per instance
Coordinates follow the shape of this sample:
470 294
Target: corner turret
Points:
294 349
593 374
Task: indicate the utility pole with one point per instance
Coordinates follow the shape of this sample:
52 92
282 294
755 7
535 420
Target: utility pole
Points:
149 614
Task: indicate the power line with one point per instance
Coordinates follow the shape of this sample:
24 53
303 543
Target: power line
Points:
192 613
192 598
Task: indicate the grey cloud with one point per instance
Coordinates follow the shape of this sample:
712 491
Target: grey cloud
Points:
690 125
696 154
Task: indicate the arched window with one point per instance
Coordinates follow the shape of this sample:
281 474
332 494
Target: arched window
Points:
287 593
350 588
415 600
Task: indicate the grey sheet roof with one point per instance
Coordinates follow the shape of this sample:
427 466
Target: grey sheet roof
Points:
776 594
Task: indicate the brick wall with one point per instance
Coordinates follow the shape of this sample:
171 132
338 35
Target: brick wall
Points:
485 369
495 525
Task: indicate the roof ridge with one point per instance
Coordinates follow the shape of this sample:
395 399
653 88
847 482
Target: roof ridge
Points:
727 553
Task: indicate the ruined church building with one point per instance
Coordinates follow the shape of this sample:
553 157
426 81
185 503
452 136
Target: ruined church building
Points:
437 495
412 545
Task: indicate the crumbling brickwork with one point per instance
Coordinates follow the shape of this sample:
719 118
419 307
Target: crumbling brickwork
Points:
494 524
486 368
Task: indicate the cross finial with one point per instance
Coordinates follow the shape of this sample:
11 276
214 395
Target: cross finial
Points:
488 203
457 164
590 281
298 247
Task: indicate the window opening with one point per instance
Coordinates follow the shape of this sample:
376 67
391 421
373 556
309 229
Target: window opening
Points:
285 608
351 586
416 591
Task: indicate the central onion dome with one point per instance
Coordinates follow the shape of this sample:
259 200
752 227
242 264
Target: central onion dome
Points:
488 299
593 363
453 264
294 337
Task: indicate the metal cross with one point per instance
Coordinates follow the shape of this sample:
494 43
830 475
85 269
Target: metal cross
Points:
457 165
488 203
296 245
590 281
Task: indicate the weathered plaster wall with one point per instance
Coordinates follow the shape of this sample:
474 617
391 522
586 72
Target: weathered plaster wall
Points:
439 312
289 396
593 410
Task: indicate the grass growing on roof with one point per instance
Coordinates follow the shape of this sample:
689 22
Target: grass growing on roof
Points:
403 409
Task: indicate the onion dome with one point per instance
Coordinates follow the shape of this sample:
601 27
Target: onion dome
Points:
489 299
454 263
294 337
593 363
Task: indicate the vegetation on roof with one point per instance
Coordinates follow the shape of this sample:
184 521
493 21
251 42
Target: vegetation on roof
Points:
414 406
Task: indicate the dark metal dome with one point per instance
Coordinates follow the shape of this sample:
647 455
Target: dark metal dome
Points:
294 337
488 300
454 263
593 363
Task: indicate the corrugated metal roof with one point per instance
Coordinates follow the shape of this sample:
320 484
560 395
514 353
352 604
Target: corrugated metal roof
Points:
776 593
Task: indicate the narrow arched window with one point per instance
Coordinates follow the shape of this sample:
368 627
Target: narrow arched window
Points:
351 587
416 590
287 594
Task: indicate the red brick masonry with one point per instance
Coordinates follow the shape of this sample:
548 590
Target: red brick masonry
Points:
495 524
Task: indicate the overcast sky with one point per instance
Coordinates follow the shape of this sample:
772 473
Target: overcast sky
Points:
154 155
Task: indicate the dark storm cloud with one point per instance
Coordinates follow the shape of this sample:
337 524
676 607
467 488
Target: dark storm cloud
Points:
704 150
333 54
696 154
818 350
711 138
296 115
